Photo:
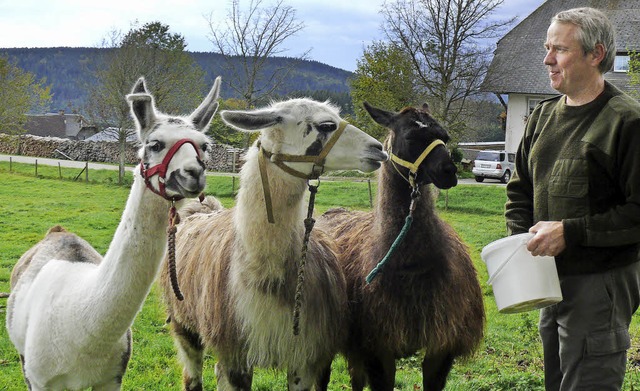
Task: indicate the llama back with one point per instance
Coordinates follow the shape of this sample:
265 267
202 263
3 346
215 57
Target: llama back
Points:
209 204
204 244
59 244
351 230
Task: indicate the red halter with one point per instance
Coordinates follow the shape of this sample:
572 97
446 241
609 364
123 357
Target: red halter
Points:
161 170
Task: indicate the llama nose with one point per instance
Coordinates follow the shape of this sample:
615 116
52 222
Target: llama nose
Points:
194 172
450 169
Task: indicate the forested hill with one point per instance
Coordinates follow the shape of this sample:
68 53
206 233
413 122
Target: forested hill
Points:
69 71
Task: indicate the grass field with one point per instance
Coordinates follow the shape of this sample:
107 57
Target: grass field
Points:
510 357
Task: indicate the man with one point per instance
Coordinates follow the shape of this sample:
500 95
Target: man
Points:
577 187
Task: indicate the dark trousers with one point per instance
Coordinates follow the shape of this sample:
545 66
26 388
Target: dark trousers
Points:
585 337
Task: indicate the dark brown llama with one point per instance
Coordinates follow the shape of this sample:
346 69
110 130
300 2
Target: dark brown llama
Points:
427 296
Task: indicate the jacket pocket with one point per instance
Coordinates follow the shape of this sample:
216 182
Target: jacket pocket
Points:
568 189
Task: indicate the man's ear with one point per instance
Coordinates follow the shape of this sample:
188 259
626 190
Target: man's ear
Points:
598 53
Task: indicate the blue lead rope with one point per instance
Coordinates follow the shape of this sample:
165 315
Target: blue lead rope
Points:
396 243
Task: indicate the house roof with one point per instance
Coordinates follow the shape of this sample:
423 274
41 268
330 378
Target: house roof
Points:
517 62
46 126
54 125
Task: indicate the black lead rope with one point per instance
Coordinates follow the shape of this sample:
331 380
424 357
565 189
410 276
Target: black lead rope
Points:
308 226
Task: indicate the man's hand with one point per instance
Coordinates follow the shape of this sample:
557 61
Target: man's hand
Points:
548 239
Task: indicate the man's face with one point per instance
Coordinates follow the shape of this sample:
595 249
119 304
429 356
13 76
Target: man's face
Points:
570 69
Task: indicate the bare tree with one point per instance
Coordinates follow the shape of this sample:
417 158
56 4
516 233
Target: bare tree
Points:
247 39
448 43
158 55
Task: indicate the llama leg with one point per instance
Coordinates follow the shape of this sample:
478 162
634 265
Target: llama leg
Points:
191 354
381 371
300 380
357 373
322 383
236 378
24 374
116 383
435 370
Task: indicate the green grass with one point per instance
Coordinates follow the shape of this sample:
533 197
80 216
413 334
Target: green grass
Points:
510 357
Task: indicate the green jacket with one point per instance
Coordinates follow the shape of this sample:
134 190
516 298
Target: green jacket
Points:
581 165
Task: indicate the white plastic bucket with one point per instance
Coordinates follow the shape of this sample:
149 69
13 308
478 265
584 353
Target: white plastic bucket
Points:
521 282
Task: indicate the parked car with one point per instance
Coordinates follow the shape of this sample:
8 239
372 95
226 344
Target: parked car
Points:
494 164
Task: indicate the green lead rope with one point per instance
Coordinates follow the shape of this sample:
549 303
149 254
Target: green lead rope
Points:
396 243
403 232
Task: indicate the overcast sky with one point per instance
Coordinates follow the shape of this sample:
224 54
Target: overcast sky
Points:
336 31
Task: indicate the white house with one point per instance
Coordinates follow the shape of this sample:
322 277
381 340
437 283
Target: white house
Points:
517 69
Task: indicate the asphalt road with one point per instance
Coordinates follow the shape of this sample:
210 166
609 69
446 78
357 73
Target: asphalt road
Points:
104 166
63 163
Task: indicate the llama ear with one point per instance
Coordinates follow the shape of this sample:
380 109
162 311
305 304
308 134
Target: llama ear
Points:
143 111
381 117
202 116
139 87
250 121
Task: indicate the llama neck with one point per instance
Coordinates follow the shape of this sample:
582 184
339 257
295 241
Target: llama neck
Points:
268 245
392 208
125 275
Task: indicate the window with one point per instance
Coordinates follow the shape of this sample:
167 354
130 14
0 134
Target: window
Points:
621 64
489 156
531 103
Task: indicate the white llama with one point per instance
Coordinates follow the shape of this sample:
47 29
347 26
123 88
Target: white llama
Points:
70 310
238 270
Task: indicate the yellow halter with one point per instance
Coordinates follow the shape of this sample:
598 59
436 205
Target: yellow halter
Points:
280 158
413 167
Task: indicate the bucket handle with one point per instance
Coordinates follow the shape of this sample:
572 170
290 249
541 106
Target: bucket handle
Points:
504 263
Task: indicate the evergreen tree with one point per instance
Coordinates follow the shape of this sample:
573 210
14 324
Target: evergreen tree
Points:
20 93
384 78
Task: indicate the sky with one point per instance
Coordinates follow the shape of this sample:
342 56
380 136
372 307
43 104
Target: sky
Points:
336 31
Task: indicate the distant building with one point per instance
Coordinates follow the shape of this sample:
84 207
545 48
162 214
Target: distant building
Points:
111 134
517 69
61 125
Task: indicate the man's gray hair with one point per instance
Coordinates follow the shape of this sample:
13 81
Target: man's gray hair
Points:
594 28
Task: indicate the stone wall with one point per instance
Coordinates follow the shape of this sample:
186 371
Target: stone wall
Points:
219 159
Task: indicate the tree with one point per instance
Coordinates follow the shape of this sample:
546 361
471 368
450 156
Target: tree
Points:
385 78
221 132
634 73
446 40
248 39
153 52
20 93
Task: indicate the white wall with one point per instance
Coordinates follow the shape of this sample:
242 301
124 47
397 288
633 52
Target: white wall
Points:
517 109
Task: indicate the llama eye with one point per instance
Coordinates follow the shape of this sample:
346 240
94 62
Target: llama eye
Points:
326 127
156 146
204 147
